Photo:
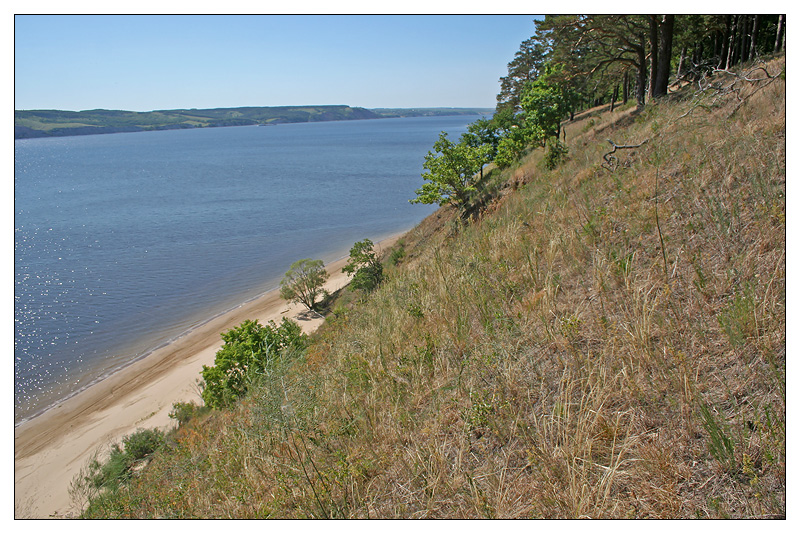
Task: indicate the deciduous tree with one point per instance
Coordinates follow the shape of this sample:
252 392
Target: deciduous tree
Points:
451 172
303 282
364 266
247 352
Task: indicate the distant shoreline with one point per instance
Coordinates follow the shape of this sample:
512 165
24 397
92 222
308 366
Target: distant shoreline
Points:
47 123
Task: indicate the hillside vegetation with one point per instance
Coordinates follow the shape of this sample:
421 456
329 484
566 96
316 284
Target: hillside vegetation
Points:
604 339
55 123
48 123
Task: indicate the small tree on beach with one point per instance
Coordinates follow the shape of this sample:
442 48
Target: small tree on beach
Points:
303 282
364 266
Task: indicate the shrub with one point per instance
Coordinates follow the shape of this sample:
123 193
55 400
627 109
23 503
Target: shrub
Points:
183 412
556 154
117 469
397 255
364 266
248 352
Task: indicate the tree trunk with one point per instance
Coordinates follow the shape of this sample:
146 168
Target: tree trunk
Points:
664 54
723 56
754 39
745 41
653 55
779 34
614 96
731 43
625 87
680 63
641 75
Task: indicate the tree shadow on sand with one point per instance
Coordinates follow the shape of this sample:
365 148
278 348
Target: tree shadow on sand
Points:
322 309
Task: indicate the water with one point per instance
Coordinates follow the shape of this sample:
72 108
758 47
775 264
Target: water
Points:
123 241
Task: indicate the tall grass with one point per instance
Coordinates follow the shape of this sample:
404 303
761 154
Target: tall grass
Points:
597 344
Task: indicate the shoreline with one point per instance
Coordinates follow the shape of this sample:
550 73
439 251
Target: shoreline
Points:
52 447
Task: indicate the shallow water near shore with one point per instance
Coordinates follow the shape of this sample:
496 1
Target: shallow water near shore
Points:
125 241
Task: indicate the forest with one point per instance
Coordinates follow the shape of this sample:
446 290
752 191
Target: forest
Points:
611 58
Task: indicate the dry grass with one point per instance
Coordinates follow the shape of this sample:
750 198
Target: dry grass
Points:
597 344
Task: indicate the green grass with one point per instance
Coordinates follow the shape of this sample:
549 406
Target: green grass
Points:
593 344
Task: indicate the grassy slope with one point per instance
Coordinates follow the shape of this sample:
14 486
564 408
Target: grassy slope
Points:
547 360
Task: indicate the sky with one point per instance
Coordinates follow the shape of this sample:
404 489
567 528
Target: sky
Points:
150 62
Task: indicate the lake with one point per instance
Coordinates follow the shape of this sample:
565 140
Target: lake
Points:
124 241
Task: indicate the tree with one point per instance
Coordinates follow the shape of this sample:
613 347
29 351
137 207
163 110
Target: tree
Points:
591 46
482 132
452 168
364 266
524 68
248 351
303 282
545 104
512 145
665 32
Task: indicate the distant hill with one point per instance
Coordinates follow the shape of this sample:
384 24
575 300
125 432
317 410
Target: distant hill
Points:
430 112
54 123
48 123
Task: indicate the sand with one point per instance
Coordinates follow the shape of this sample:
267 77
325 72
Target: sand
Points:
50 450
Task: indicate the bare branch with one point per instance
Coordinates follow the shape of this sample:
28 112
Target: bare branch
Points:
611 162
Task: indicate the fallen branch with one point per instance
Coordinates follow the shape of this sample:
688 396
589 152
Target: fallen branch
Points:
611 161
718 89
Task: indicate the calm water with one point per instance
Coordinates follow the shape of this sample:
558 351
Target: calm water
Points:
123 241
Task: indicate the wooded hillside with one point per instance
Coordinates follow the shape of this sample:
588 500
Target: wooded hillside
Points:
47 123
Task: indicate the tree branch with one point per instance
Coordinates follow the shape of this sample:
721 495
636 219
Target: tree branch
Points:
611 162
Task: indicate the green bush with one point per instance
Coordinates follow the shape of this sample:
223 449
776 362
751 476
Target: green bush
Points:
247 353
556 154
183 412
364 266
397 255
117 469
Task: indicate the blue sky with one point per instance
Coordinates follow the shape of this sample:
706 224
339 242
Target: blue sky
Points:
142 63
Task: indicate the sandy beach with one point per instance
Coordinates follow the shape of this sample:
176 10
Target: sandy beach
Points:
50 449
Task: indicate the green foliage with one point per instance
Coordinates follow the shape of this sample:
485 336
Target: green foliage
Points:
142 443
511 147
183 412
248 352
117 469
526 65
451 176
397 255
483 132
556 154
303 282
364 266
720 444
545 102
737 319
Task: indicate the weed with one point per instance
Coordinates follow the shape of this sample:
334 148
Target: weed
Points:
720 444
738 318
